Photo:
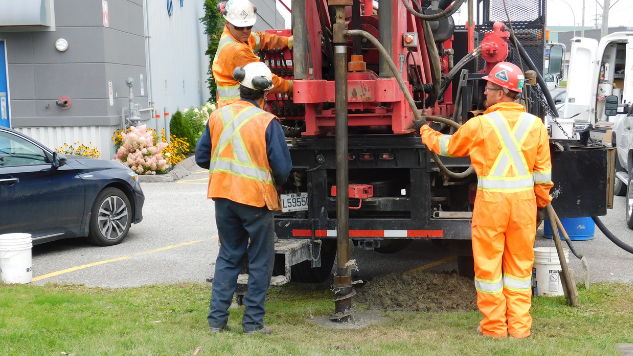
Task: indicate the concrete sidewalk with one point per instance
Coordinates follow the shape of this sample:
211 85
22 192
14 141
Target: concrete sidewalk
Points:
182 169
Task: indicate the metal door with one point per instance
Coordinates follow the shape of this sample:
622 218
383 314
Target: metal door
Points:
4 87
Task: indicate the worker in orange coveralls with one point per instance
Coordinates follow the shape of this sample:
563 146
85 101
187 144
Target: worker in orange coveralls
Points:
509 150
238 47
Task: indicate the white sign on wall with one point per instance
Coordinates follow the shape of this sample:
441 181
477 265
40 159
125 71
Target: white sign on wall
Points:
110 94
106 16
142 86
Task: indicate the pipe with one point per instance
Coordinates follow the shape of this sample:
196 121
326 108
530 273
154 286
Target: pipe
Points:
444 14
343 278
385 36
462 62
539 78
610 235
410 100
300 34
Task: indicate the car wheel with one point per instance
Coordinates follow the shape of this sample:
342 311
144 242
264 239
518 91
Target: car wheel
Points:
111 218
629 201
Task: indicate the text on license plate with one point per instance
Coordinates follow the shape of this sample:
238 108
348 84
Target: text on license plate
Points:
294 202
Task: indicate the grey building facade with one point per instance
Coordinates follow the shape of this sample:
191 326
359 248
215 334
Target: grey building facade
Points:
81 51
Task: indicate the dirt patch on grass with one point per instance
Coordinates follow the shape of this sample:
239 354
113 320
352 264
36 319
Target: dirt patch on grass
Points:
419 291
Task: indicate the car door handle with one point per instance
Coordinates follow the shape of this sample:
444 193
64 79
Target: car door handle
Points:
9 181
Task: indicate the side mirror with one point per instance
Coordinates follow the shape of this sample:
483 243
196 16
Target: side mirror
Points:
611 105
58 160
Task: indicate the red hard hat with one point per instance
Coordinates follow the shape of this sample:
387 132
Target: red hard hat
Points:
506 75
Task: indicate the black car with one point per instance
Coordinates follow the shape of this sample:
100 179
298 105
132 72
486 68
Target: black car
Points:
54 196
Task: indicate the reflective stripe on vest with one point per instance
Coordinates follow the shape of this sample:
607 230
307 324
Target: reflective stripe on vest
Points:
224 40
517 283
444 141
228 92
257 43
510 155
543 177
242 164
489 287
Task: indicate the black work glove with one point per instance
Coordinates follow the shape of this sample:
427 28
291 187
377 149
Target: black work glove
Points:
540 216
417 124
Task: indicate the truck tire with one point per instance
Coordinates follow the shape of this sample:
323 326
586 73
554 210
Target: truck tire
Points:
629 201
392 246
304 273
619 188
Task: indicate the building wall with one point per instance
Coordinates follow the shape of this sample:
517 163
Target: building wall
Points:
165 55
96 55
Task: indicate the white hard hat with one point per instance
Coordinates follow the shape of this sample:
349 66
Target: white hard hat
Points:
240 13
256 76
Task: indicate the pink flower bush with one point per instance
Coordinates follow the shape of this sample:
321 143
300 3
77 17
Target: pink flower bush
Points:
140 152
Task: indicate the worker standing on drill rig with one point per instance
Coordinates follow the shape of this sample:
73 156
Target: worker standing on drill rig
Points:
245 149
238 47
509 150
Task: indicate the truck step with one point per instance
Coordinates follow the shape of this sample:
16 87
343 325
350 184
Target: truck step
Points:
294 251
623 177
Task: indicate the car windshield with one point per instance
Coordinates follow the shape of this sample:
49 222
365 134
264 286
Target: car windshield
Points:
549 77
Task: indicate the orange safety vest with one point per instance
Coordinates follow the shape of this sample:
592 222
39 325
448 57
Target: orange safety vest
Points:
232 53
239 169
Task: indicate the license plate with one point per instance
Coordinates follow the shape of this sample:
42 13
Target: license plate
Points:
294 202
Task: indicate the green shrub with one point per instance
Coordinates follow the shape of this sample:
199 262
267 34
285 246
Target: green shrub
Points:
181 128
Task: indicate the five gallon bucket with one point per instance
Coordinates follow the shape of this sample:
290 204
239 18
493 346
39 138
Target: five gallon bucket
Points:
545 277
577 228
16 258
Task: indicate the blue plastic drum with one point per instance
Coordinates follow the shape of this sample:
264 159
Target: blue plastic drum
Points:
578 229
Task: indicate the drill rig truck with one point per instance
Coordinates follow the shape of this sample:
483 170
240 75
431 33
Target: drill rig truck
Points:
362 71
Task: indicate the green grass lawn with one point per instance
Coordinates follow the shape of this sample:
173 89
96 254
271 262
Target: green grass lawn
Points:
171 320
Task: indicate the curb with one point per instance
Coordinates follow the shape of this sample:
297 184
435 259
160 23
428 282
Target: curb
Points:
181 170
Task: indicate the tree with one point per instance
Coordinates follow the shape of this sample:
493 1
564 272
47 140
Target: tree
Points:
214 23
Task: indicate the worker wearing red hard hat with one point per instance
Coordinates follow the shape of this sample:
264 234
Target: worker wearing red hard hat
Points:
509 150
238 46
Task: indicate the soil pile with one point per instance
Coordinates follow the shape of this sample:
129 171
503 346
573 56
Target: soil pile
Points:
419 291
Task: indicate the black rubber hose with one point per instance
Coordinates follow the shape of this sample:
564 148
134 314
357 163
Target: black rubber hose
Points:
610 235
441 15
539 78
436 67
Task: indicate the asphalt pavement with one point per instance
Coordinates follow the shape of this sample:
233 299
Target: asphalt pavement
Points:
177 242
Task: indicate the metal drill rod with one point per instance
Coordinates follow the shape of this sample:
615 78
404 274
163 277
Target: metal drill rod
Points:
567 280
343 280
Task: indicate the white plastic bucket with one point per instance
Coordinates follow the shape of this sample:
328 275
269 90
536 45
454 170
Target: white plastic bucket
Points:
568 127
545 277
16 258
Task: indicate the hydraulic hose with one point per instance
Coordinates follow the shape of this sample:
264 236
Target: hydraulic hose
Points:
539 78
410 100
436 67
462 62
610 235
441 15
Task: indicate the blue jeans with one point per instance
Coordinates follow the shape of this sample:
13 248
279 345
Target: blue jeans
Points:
236 224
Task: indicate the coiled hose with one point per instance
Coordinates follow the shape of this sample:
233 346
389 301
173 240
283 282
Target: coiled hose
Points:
411 102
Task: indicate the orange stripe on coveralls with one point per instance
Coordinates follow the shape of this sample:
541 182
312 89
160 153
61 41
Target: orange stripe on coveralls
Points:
77 268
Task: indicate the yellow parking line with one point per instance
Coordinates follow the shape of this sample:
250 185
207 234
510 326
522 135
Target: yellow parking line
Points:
77 268
432 264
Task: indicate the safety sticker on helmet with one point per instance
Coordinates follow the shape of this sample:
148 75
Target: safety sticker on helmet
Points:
503 75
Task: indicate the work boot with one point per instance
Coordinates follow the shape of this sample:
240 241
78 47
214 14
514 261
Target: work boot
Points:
214 330
266 330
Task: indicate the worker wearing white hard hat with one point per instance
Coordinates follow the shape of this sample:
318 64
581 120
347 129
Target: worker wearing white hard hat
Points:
238 47
245 150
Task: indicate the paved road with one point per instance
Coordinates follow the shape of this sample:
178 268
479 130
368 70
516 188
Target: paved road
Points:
177 242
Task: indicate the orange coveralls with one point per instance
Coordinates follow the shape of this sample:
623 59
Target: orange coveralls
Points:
509 150
231 54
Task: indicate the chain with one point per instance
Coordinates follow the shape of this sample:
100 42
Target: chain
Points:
550 111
